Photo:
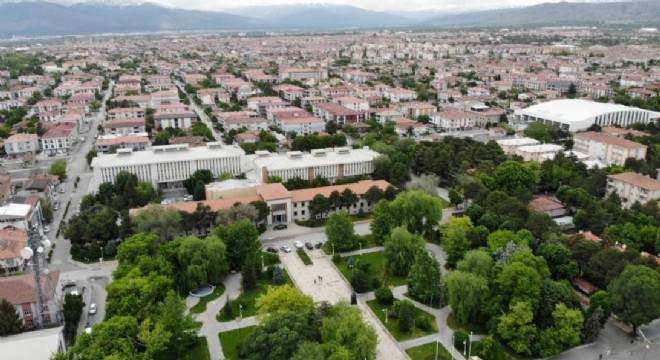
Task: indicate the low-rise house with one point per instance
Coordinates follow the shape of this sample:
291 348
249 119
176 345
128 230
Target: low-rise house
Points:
47 105
12 241
610 149
44 186
353 103
539 152
547 205
21 144
59 138
414 110
396 95
336 113
632 187
409 127
509 146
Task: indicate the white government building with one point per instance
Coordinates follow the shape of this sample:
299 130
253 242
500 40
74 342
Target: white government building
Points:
329 163
167 166
576 115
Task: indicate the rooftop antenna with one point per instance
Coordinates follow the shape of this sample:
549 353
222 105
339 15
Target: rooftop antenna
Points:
34 251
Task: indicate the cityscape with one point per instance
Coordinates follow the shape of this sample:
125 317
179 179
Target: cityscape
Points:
438 180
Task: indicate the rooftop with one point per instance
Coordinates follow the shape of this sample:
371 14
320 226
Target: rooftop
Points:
612 140
637 180
168 153
574 110
274 162
22 346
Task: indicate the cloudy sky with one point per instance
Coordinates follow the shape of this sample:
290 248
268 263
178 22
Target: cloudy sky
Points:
384 5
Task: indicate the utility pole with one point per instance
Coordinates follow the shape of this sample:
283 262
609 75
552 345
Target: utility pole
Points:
34 240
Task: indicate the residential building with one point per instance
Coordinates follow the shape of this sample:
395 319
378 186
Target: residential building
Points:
547 205
538 153
22 346
59 138
632 187
396 95
177 120
21 144
12 241
301 125
167 166
610 149
453 121
578 115
331 164
107 143
19 291
126 113
302 74
126 126
509 146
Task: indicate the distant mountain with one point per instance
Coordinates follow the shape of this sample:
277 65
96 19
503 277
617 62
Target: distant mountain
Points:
44 18
638 12
321 16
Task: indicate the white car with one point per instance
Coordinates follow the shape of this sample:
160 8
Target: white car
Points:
92 309
46 229
298 244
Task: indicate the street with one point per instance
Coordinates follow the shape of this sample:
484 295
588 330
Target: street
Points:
200 112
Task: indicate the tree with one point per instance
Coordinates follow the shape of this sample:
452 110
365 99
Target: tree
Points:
601 300
242 241
113 337
199 191
517 327
400 250
416 210
71 310
564 333
277 339
318 207
514 178
238 212
158 220
424 277
399 174
466 294
249 275
592 326
405 316
360 281
559 260
427 182
58 168
477 262
539 131
345 327
636 295
10 321
501 238
340 232
334 200
517 282
46 210
382 221
348 199
175 321
374 195
455 197
203 175
91 154
200 261
382 166
283 299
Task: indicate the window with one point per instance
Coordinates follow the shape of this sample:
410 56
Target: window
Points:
302 212
295 213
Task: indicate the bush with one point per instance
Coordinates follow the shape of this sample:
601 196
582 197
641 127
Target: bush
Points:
227 311
423 322
360 281
336 258
278 276
384 296
459 338
270 270
363 265
375 283
405 316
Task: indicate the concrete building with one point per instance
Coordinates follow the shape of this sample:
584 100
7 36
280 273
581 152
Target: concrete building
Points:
302 74
177 120
19 291
167 166
12 241
610 149
22 346
21 144
632 187
59 138
301 126
126 126
577 115
538 153
509 146
329 163
137 142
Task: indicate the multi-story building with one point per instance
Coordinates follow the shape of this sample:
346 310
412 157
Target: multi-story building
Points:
127 126
177 120
106 143
632 187
302 74
453 121
21 144
60 137
124 113
610 149
12 241
167 166
331 164
301 125
510 146
19 291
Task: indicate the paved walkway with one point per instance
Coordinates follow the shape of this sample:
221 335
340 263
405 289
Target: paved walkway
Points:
333 288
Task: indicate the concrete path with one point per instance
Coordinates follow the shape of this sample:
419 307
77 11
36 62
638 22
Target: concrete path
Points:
333 288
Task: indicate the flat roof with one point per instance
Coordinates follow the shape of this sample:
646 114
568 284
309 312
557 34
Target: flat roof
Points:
15 210
574 110
276 162
22 346
518 142
541 148
168 154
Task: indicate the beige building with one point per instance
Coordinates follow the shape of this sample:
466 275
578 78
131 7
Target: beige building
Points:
632 187
538 153
609 149
509 146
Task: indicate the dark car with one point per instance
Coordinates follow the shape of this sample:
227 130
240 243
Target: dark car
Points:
309 246
271 250
318 245
279 227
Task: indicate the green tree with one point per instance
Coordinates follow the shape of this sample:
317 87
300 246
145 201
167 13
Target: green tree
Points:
174 319
455 197
277 339
71 310
113 337
382 166
466 294
374 195
242 241
360 281
501 238
159 220
539 131
46 210
517 327
203 175
318 207
10 320
424 277
200 261
601 299
517 282
405 316
346 328
564 333
340 232
400 250
477 262
559 260
382 221
515 178
282 299
58 168
399 174
636 295
418 211
91 154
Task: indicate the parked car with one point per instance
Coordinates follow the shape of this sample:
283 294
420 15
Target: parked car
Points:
285 248
298 244
318 245
92 309
309 246
46 228
271 250
62 190
279 227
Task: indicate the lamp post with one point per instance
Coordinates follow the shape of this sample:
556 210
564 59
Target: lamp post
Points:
262 261
360 248
385 311
470 347
240 310
464 347
101 253
436 350
333 249
453 347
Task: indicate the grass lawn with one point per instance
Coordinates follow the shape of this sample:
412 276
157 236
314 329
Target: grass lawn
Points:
304 257
435 305
376 261
199 351
367 240
249 299
427 352
392 324
200 307
270 258
475 328
231 339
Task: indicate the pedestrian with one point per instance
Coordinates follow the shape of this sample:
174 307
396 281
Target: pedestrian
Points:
600 356
314 281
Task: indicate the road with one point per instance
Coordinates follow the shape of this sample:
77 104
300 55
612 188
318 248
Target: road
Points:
200 112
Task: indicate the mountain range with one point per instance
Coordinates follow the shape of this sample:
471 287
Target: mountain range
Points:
51 19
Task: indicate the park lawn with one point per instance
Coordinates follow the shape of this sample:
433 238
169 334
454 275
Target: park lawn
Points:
199 351
427 352
392 324
367 240
304 257
249 299
435 305
376 261
475 328
200 307
231 339
270 258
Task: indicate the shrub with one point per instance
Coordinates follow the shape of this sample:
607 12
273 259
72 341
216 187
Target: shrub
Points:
336 258
405 316
375 283
459 337
278 276
384 296
363 265
360 281
227 311
423 322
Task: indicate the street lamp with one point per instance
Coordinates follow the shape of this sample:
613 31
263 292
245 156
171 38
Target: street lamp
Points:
436 350
453 347
262 261
464 347
360 248
470 347
240 309
333 249
385 311
101 253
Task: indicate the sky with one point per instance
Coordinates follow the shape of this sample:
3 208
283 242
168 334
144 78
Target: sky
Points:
379 5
